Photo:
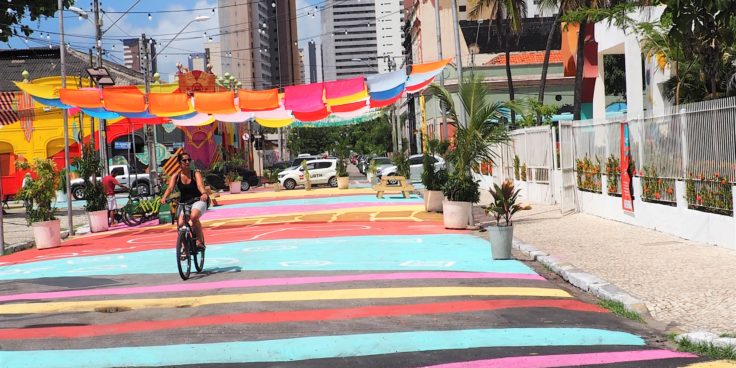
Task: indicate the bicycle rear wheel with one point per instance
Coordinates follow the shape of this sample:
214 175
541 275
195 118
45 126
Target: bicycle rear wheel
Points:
198 256
183 257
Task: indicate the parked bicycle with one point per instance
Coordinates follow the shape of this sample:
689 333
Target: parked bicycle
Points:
186 245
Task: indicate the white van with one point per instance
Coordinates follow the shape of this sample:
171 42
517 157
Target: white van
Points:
320 172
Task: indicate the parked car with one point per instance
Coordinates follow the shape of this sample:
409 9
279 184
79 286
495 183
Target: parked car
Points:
322 171
380 162
216 179
124 174
298 161
415 167
280 166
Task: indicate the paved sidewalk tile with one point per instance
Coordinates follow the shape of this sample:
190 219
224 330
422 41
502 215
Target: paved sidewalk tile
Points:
684 284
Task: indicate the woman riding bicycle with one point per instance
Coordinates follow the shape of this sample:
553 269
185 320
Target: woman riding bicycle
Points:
191 186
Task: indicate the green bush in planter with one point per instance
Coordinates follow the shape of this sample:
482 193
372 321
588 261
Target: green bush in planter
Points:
342 168
89 166
39 193
402 165
461 188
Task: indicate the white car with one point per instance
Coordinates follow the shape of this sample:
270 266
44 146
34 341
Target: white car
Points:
415 167
320 172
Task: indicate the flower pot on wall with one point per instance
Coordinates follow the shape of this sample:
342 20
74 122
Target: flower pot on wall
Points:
98 221
47 234
433 200
234 187
343 182
456 214
501 238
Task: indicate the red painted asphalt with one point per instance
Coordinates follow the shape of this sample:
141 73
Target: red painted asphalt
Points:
294 316
135 240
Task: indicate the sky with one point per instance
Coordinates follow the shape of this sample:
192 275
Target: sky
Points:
168 17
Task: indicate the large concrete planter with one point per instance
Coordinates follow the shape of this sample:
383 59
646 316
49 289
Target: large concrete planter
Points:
343 182
456 215
433 200
277 187
235 187
47 234
501 237
98 221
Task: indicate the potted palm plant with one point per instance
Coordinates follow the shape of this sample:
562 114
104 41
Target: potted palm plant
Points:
432 180
38 195
504 207
307 179
89 165
484 126
233 180
343 181
272 177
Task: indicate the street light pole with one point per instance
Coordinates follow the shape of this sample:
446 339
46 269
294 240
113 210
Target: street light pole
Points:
458 56
98 47
62 53
438 29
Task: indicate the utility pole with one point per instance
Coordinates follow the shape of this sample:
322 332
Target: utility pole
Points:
458 57
65 117
442 75
98 47
145 45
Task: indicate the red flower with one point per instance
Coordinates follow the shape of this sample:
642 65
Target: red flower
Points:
723 181
699 199
717 175
657 195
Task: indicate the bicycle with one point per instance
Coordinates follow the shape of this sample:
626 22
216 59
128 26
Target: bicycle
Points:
186 245
140 209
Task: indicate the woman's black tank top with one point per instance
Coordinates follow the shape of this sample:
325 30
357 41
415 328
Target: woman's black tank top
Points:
189 191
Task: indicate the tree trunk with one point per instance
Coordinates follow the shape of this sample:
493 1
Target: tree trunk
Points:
545 65
578 105
503 39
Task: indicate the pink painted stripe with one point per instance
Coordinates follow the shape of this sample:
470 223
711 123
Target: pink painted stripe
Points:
171 288
280 210
565 360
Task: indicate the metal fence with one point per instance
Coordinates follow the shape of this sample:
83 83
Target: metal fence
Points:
695 142
533 147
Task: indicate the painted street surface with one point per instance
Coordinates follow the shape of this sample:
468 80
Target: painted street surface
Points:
294 279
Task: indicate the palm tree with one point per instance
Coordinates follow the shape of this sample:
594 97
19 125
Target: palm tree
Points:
507 15
560 6
473 142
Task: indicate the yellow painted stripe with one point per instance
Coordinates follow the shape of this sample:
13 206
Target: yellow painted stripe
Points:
715 364
283 296
298 193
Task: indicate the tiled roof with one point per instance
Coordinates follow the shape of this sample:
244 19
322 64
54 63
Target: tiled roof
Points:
527 58
44 62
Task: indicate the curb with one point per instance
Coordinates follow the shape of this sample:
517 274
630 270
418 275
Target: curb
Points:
582 280
19 247
605 290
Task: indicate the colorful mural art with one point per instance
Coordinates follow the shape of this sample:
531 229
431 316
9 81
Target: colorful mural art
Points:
318 278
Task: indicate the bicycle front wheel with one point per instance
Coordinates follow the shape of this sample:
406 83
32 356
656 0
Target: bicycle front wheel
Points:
198 257
183 257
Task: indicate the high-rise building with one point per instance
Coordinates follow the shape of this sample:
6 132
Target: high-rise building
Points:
258 42
364 36
312 62
301 66
197 61
214 56
132 53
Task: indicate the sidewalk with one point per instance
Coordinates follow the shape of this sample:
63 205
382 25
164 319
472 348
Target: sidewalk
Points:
686 285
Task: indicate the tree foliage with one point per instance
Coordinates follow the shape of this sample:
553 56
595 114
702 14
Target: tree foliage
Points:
371 137
12 13
615 78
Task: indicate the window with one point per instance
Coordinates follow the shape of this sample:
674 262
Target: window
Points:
462 8
415 161
324 165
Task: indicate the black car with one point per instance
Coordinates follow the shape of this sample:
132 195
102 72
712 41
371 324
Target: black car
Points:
280 166
216 179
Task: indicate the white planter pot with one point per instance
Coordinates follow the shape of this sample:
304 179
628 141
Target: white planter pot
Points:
456 215
47 234
98 221
235 187
343 182
370 177
501 237
433 200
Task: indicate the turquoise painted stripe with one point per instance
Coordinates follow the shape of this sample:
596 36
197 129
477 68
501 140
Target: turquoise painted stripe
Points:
390 198
441 252
296 349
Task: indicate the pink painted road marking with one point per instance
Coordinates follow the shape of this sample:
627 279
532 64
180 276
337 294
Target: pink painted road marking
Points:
280 210
170 288
567 360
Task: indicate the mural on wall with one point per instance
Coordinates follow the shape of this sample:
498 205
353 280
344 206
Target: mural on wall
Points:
26 115
198 142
